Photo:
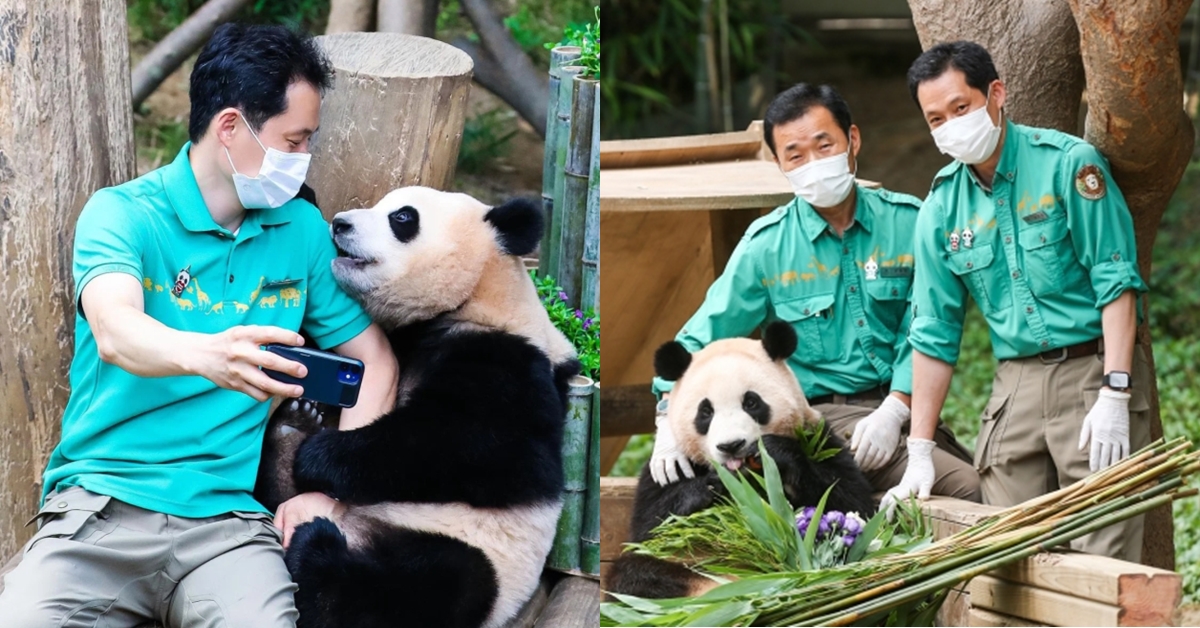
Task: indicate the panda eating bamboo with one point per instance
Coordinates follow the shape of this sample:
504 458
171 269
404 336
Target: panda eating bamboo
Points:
726 397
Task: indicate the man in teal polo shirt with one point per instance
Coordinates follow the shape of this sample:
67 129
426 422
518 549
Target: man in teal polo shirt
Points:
837 264
1028 223
180 276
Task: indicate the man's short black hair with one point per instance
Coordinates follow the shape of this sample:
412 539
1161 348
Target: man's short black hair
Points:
967 57
250 67
792 103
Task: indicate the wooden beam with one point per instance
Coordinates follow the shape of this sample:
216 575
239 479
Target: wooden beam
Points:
626 410
982 617
682 149
574 603
1056 609
616 498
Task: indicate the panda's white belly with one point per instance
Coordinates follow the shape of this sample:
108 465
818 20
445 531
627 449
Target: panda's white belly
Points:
515 540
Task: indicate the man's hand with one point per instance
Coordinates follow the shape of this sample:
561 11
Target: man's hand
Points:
918 477
667 457
876 437
1106 426
231 359
304 508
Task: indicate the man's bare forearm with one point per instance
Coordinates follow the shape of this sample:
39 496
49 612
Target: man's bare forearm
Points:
1119 319
931 383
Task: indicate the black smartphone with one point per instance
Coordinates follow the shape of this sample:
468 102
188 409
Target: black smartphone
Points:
332 379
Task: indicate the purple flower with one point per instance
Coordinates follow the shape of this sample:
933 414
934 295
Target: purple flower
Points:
852 525
562 296
578 313
848 540
834 518
587 323
808 512
823 527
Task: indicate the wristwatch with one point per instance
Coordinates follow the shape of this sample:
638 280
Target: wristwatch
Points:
1118 380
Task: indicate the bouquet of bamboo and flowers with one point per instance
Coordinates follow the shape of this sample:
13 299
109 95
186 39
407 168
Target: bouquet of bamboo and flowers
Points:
783 567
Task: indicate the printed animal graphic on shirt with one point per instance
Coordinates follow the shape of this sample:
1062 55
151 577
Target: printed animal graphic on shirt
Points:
240 307
290 296
218 308
268 302
254 294
201 296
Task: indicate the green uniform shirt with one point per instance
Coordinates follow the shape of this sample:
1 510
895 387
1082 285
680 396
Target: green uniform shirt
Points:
1050 245
181 445
847 298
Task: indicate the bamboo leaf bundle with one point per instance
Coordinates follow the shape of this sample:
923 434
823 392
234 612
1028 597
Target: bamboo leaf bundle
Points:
872 591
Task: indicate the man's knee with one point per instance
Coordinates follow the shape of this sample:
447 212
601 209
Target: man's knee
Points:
955 478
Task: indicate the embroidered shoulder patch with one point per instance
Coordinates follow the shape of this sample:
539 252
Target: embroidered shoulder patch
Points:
1089 182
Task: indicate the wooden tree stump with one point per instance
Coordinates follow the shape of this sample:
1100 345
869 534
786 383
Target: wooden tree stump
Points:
393 118
65 131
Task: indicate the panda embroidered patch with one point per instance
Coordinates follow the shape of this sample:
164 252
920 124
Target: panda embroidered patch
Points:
1089 182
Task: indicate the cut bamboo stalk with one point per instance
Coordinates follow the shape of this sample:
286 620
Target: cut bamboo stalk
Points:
564 556
590 540
591 231
562 137
559 57
576 173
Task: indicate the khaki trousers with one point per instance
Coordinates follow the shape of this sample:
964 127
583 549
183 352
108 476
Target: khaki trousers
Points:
1029 441
953 474
97 561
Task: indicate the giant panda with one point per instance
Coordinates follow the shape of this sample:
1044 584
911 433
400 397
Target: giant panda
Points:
727 396
453 497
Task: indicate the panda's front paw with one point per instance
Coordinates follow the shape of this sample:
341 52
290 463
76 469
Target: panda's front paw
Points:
314 468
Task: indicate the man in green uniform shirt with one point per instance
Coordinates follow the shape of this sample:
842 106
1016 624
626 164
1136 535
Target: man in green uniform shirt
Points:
836 263
180 276
1029 224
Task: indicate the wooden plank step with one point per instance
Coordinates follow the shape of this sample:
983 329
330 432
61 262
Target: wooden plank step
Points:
1050 607
983 617
574 603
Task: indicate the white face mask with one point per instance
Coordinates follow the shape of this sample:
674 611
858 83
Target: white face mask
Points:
278 180
971 138
824 182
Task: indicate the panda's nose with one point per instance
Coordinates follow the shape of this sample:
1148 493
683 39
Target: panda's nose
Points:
733 446
341 225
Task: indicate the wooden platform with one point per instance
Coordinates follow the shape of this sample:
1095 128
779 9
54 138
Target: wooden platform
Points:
1049 589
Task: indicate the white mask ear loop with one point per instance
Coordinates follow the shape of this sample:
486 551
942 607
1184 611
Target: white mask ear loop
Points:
252 134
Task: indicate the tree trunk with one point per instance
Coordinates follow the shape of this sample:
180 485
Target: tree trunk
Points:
393 118
350 16
1129 53
186 39
409 17
1135 87
65 131
502 67
1034 44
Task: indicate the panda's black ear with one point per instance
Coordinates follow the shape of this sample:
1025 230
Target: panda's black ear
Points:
779 339
520 223
671 360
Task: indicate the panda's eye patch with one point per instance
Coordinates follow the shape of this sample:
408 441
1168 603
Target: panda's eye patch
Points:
704 416
405 223
758 409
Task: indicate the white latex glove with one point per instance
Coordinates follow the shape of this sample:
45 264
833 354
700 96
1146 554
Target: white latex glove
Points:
666 455
918 476
876 437
1106 426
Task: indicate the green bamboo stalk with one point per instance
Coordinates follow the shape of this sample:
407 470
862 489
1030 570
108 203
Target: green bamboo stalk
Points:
590 540
591 232
564 555
559 57
562 137
576 174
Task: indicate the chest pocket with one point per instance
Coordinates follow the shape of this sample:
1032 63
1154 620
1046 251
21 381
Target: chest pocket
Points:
812 318
974 266
889 300
1043 247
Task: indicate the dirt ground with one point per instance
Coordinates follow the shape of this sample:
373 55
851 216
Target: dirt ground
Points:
517 171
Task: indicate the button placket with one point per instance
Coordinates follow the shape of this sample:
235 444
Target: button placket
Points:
1005 222
856 299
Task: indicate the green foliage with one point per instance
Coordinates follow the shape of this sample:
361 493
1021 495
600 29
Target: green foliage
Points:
159 141
580 327
653 49
813 440
484 139
587 38
151 20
